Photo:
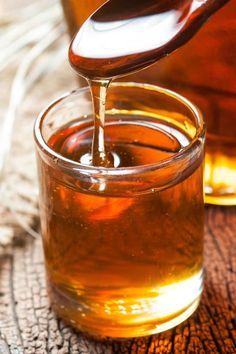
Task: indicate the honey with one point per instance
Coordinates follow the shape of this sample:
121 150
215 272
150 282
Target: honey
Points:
124 259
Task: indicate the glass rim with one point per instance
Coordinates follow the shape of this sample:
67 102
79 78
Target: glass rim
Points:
118 171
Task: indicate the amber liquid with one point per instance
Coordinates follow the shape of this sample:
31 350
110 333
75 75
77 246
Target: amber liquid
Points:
115 259
121 263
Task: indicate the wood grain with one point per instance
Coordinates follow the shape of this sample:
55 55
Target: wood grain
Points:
28 325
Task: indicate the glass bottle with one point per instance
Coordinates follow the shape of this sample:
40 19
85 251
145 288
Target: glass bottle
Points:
204 71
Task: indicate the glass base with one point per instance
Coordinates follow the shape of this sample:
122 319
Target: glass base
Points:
220 200
130 317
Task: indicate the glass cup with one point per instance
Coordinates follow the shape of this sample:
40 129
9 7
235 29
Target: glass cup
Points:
124 245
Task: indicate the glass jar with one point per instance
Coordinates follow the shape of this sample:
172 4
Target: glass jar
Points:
204 71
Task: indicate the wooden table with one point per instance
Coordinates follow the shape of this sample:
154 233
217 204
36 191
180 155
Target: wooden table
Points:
29 326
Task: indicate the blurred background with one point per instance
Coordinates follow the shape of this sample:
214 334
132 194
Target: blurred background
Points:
33 71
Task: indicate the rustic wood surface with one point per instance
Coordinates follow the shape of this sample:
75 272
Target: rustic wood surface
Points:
28 325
